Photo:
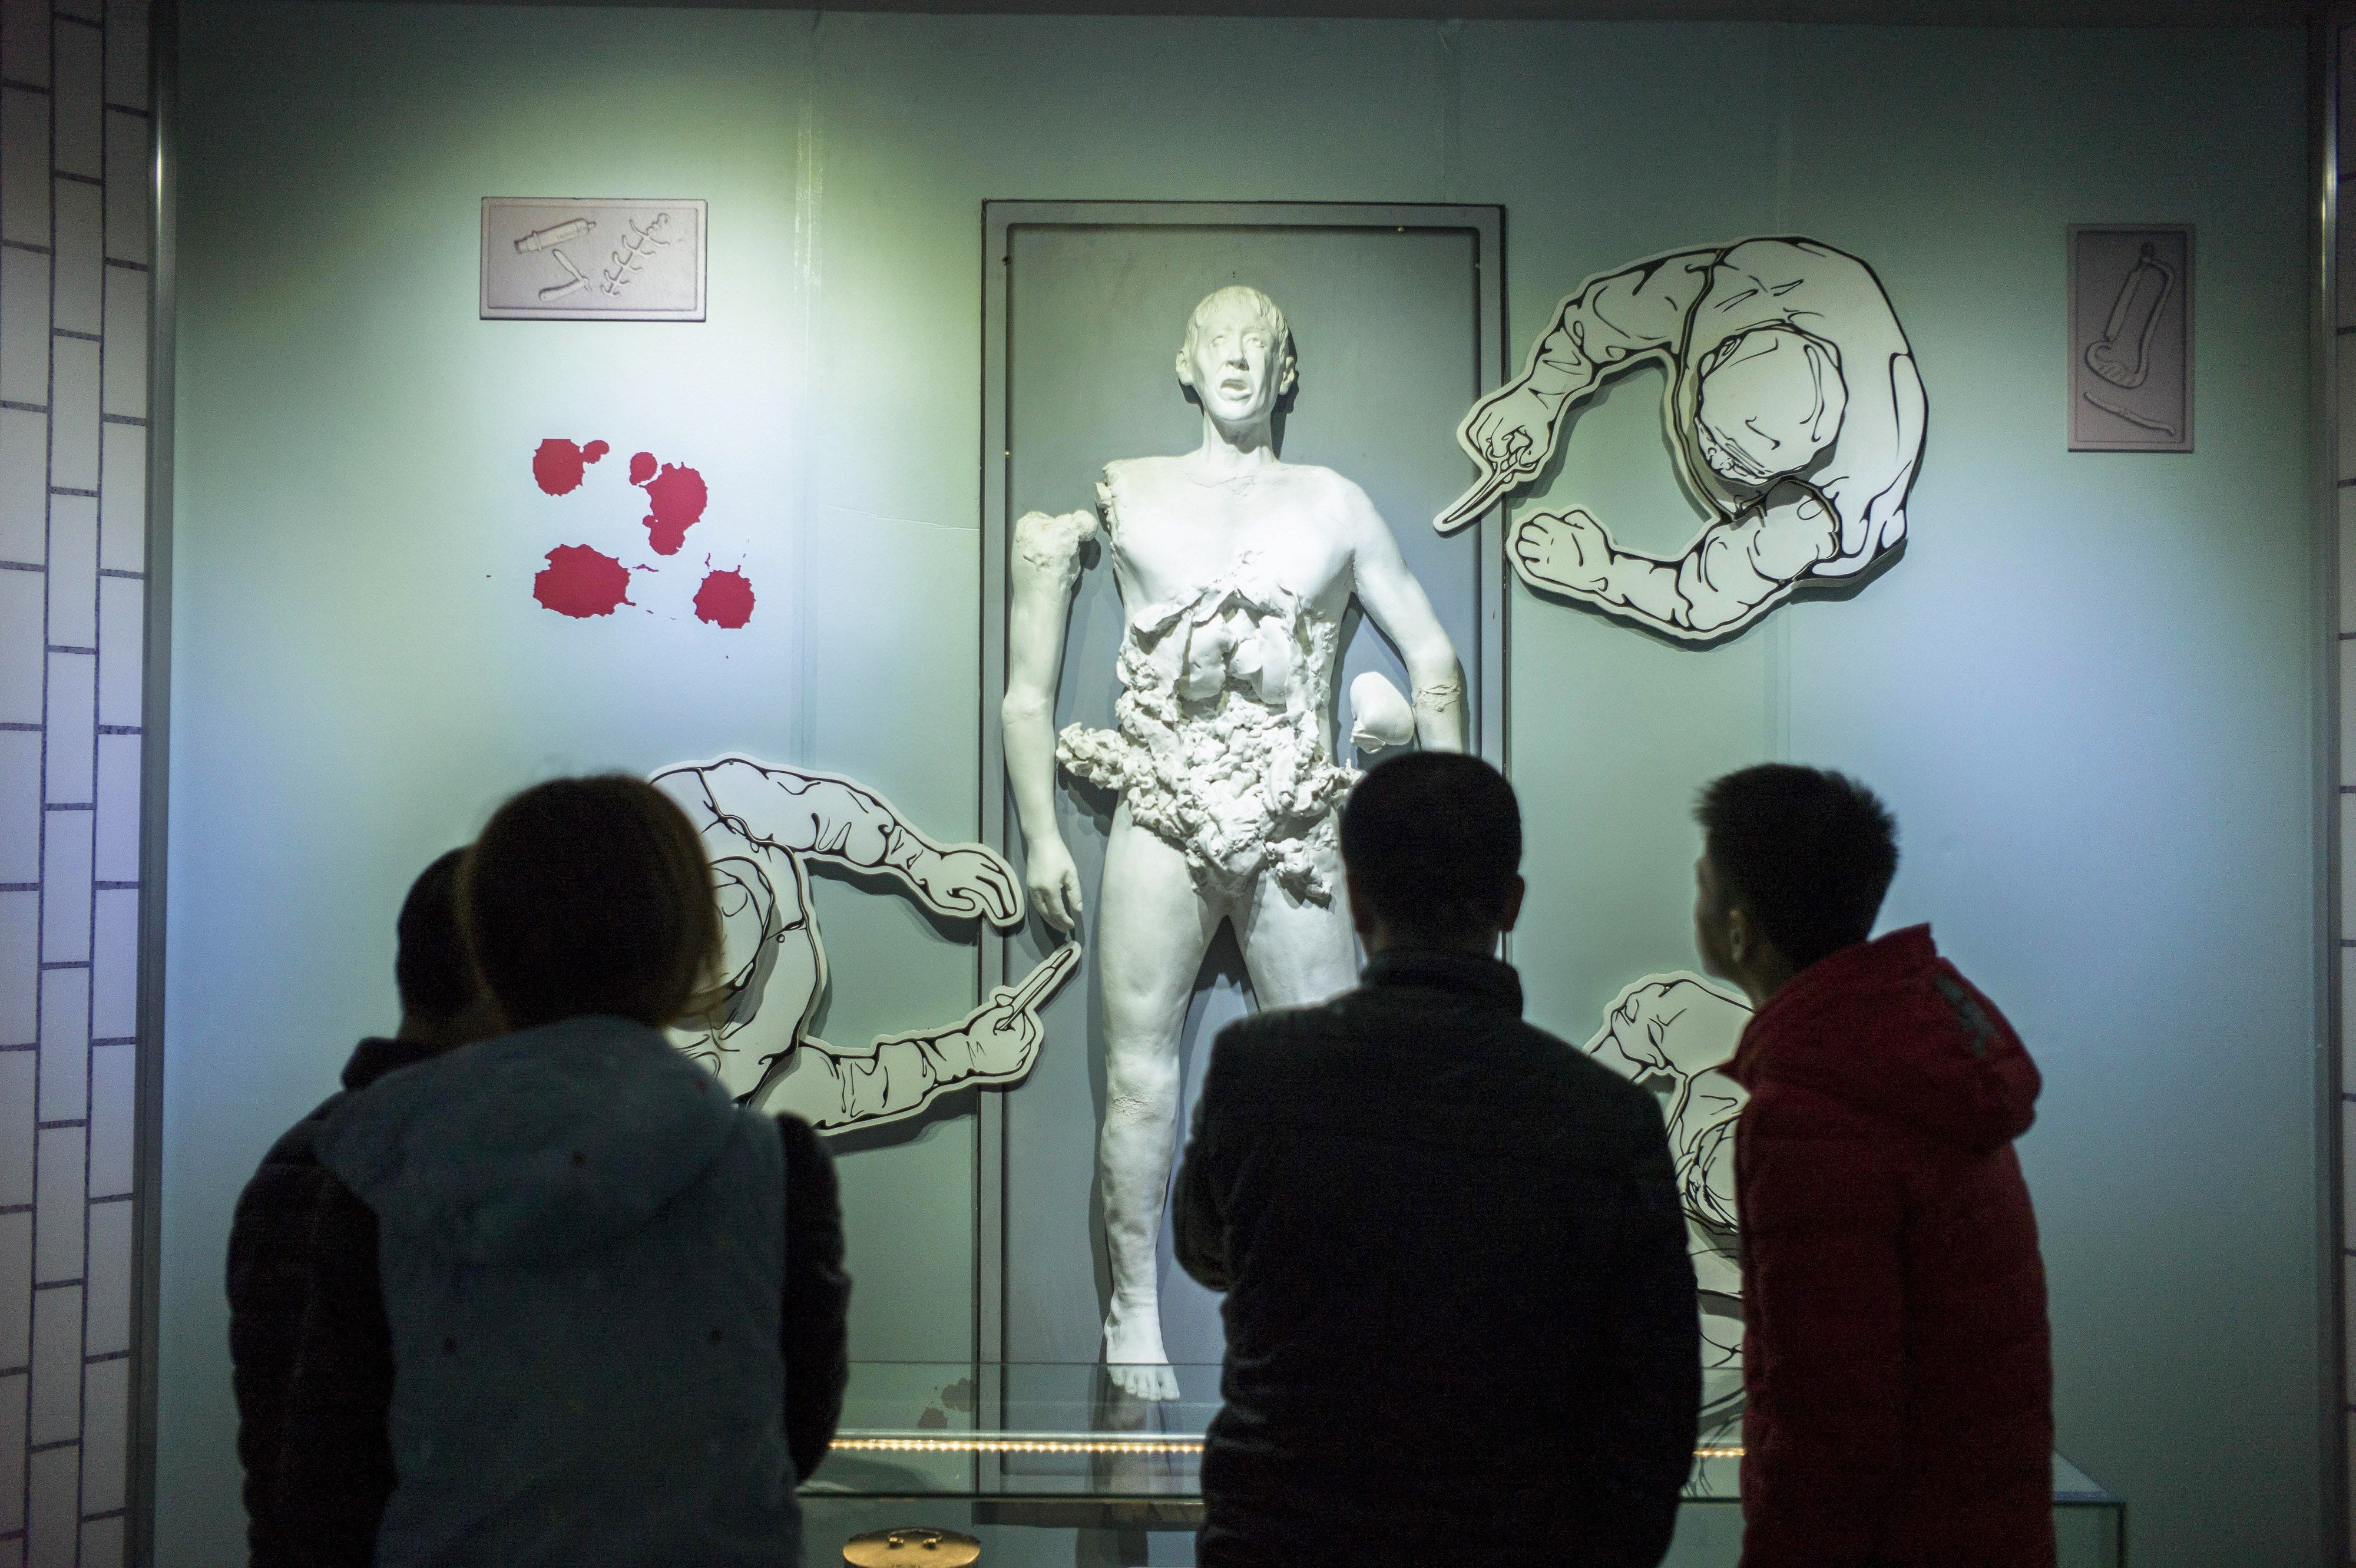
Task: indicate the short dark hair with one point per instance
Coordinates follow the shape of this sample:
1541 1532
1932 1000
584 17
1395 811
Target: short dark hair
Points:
590 896
430 966
1433 840
1806 853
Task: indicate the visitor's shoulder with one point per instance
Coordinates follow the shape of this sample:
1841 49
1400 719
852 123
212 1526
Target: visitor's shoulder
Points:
1589 1088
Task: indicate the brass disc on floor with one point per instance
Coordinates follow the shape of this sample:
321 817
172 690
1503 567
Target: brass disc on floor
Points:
911 1546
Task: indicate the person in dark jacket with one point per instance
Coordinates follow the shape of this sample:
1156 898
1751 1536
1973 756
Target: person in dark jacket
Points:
1460 1315
269 1240
571 1303
1901 1409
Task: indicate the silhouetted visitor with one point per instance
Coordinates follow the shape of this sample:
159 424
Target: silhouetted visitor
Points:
1460 1315
614 1297
268 1264
1900 1378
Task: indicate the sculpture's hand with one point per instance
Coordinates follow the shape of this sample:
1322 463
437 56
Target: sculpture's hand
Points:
1054 882
968 880
1566 551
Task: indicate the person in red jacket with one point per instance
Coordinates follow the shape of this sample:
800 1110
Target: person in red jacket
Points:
1900 1405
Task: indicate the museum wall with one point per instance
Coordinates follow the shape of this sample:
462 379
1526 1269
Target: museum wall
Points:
2085 686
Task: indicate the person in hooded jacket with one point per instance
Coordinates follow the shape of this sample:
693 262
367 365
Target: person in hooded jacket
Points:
442 1008
1901 1399
571 1303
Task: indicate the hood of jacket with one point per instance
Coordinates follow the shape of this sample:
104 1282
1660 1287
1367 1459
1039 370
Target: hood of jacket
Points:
532 1145
1894 1030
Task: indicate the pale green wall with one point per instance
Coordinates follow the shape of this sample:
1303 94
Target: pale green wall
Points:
2085 689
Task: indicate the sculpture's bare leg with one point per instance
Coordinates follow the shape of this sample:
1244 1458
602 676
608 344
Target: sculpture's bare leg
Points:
1153 929
1296 951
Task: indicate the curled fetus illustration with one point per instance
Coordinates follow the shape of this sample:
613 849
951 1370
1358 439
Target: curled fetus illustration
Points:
2134 315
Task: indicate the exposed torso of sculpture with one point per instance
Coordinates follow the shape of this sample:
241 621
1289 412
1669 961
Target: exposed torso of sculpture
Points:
1232 593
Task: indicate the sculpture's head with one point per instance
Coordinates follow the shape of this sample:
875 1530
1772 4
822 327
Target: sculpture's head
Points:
1770 402
1238 354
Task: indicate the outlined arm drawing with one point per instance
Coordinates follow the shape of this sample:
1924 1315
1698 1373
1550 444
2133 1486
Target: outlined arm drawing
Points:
761 826
1674 1035
1793 409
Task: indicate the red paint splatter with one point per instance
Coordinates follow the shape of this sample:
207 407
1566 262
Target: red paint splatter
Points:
556 466
678 497
642 467
580 581
725 599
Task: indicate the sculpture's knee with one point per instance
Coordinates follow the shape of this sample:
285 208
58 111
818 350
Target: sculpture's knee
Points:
1141 1090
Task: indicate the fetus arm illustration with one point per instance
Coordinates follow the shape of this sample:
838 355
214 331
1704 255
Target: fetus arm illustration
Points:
1737 564
761 824
899 1075
820 817
1612 322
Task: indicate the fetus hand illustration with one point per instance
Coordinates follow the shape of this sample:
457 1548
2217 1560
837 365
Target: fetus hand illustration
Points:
997 1042
1510 435
965 881
1567 550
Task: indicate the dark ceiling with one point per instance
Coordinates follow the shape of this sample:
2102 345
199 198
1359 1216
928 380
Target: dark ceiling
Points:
1951 13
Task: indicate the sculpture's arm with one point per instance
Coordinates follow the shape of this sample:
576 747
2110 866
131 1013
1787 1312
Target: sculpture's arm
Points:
833 1086
1398 605
1043 566
1739 564
826 818
1612 321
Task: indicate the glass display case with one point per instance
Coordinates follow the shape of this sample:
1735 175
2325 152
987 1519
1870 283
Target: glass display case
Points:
1045 1463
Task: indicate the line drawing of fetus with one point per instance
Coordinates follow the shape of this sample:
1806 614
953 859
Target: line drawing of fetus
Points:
1793 413
1674 1034
761 825
2156 280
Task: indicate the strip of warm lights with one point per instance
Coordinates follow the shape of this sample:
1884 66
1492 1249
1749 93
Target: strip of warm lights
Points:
984 1442
1075 1443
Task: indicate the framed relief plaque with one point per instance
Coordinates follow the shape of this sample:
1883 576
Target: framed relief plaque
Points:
2131 338
592 259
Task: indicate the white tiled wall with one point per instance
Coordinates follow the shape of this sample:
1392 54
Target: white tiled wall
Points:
75 151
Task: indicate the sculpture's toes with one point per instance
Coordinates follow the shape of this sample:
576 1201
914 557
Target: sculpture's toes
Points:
1144 1380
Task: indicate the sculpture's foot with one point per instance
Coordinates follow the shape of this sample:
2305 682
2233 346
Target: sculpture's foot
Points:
1133 1354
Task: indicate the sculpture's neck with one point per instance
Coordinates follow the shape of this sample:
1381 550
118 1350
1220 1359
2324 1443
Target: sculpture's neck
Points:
1229 451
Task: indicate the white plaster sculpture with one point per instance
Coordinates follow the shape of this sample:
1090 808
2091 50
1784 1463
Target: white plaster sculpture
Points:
1235 571
1674 1034
761 826
1792 406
